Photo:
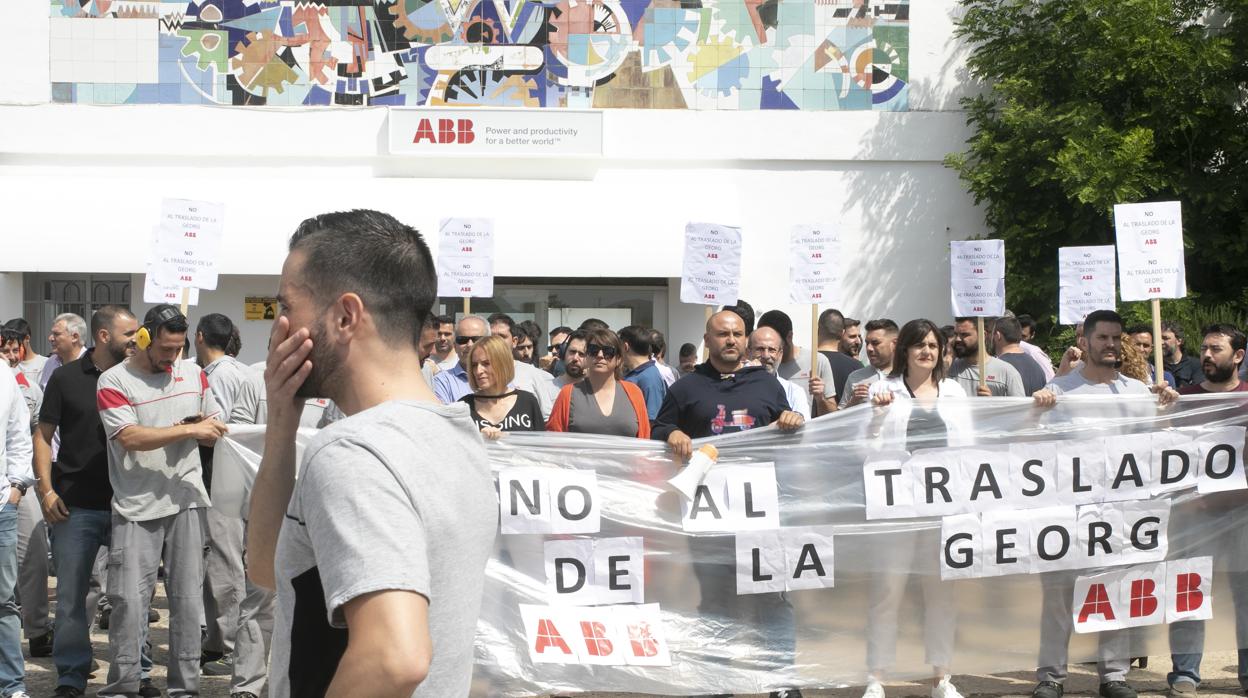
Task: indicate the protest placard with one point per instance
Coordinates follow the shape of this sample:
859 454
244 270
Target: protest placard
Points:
1086 278
711 272
466 259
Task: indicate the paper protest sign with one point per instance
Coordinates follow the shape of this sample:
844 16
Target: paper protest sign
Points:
466 257
814 259
1150 250
1085 281
711 273
186 244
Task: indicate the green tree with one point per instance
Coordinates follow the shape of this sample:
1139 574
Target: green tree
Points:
1088 103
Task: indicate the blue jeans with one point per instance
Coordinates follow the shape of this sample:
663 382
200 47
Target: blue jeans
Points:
75 543
1187 638
12 666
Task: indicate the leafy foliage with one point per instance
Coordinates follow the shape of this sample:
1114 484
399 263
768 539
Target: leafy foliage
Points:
1088 103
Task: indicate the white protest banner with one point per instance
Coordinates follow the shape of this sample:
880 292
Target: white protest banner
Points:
1086 277
186 244
529 642
814 264
466 257
711 272
1150 250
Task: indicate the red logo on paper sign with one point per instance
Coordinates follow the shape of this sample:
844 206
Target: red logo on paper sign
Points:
448 131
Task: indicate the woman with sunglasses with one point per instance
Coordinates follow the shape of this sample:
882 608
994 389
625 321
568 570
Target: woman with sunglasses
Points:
495 406
918 416
601 403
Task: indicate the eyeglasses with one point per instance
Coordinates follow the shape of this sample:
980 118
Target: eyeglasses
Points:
607 352
467 340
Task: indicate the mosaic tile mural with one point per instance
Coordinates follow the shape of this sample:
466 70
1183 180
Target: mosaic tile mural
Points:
641 54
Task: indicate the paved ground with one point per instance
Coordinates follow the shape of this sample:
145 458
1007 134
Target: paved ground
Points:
1219 669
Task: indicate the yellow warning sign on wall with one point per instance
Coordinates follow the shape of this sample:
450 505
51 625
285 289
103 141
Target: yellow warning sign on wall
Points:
259 308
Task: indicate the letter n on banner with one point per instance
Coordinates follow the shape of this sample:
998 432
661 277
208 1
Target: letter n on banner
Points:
1190 587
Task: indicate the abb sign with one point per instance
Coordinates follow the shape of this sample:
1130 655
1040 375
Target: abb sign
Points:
618 635
1164 592
447 131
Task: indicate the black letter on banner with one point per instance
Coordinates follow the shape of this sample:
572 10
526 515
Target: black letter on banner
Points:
932 485
1103 538
1002 546
612 560
1150 536
985 473
534 505
749 503
888 483
1230 461
968 558
1074 468
560 586
758 563
1122 476
1166 455
1033 477
563 503
813 563
703 494
1040 543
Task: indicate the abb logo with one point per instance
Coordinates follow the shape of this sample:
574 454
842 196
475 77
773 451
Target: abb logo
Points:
1164 592
619 635
447 131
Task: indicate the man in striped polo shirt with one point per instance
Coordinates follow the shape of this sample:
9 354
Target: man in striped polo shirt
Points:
155 409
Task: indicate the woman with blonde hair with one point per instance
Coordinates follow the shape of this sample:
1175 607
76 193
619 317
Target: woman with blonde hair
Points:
496 407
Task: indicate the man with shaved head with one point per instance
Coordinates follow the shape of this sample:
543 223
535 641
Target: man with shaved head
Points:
452 384
767 348
722 396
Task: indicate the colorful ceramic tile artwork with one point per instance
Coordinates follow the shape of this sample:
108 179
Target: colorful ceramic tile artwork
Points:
639 54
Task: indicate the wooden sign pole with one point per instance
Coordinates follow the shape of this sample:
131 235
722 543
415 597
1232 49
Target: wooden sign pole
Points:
983 353
186 299
814 339
1159 371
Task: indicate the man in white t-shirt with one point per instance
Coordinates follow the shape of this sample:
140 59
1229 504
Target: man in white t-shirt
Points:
881 343
766 347
29 362
1101 346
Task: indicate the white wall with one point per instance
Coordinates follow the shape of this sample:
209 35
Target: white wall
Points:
70 172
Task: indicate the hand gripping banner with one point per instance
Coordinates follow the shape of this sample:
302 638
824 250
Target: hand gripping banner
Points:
977 536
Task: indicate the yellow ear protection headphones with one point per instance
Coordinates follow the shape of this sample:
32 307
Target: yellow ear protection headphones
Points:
143 338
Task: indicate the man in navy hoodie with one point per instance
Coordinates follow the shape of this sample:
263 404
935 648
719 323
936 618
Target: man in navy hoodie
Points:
721 396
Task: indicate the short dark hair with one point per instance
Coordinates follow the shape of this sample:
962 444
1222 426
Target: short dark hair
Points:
831 325
688 349
501 319
881 324
594 323
1097 316
216 330
106 315
852 322
1171 326
174 325
658 343
910 335
779 321
1011 330
745 311
1233 333
20 326
235 345
1139 329
440 320
1026 321
562 329
946 332
637 339
375 256
530 329
8 334
960 320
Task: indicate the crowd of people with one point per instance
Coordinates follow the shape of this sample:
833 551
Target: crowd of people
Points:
114 431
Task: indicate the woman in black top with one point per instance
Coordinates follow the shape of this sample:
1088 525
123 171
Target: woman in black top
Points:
495 407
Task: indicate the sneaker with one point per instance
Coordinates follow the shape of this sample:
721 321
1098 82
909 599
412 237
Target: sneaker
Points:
945 689
67 692
208 656
147 689
223 666
18 694
102 621
153 616
41 646
1117 689
875 689
1048 689
1182 689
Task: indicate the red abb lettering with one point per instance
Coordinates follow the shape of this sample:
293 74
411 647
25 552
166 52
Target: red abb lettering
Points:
1189 596
1143 599
424 131
596 641
642 640
548 636
1097 603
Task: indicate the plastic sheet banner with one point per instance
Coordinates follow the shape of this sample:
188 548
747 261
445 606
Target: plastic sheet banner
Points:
901 540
